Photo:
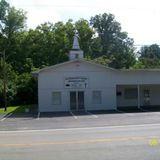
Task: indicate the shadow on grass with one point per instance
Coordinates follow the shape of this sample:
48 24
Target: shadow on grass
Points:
21 111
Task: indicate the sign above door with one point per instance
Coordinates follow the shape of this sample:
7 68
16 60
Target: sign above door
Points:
76 82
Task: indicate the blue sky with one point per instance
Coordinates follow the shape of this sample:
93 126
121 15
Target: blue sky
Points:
140 18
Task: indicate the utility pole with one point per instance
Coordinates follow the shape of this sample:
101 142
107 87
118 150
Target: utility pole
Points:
4 81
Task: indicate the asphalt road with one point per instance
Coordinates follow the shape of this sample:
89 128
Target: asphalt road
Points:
126 136
128 142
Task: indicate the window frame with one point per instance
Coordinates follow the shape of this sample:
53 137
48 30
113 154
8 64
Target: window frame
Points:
59 96
94 100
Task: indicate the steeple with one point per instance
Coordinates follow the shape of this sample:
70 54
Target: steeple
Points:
75 43
76 52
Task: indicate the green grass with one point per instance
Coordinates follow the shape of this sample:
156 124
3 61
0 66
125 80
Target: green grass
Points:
15 109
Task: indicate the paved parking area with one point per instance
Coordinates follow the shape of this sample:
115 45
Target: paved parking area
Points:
73 115
35 121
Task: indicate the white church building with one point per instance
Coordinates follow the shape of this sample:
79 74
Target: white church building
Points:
78 85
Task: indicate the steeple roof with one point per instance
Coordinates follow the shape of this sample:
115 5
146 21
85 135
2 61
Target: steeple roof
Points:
75 43
75 52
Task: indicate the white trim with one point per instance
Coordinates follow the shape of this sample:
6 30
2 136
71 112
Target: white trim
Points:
77 101
73 61
38 115
6 117
120 111
138 96
75 117
93 115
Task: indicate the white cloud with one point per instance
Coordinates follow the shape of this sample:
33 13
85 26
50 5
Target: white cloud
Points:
37 13
140 18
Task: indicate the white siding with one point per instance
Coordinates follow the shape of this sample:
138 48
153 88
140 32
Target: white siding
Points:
154 95
137 77
99 79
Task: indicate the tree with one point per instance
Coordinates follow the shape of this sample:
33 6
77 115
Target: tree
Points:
85 34
10 83
11 21
114 42
152 51
122 60
149 56
4 6
102 60
107 28
26 89
149 63
47 44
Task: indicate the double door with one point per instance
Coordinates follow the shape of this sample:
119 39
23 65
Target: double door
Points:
77 100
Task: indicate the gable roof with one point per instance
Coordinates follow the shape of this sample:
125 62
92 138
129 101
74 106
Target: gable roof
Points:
69 62
145 69
35 73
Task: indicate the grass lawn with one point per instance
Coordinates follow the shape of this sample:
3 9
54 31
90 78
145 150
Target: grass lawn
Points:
15 109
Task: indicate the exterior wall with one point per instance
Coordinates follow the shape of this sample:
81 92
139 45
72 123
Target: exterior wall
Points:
137 77
121 101
145 79
73 54
99 79
154 96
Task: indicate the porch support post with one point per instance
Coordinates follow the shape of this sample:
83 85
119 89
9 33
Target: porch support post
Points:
138 94
77 101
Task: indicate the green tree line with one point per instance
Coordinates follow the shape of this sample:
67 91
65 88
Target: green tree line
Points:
101 38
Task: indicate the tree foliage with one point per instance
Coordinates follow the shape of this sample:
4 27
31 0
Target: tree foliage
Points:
85 35
150 56
11 82
152 51
115 44
101 39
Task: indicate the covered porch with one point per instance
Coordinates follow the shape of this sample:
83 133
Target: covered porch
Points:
145 96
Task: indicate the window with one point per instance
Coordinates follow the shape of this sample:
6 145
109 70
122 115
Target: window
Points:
146 97
119 93
96 97
56 97
130 93
77 56
146 93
